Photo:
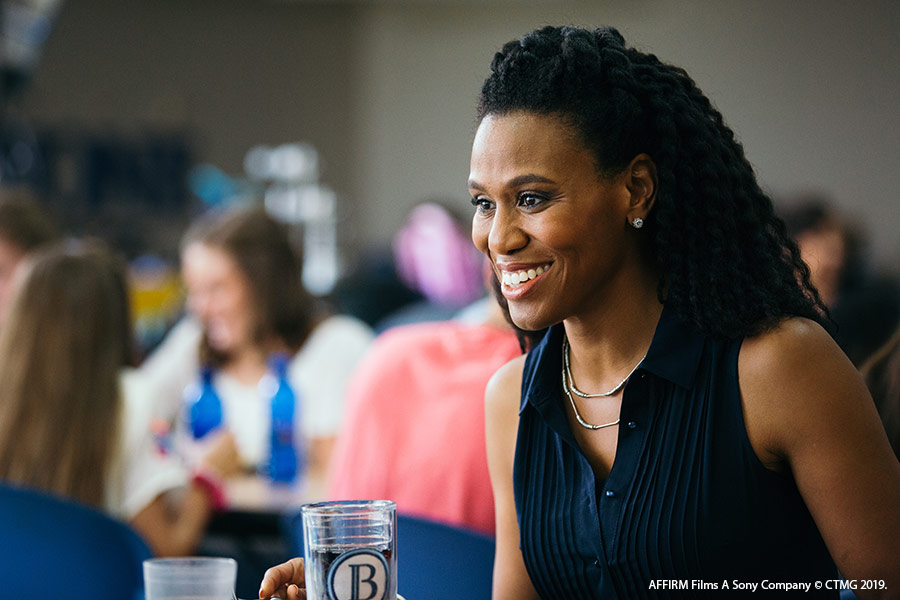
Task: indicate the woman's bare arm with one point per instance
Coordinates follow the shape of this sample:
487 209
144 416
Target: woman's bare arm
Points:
808 411
175 528
502 397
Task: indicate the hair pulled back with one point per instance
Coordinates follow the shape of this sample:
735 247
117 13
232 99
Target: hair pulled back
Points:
724 260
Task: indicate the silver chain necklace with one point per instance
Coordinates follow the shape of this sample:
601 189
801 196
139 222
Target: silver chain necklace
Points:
571 382
581 421
568 384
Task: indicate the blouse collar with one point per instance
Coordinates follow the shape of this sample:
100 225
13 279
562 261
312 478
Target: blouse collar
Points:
674 355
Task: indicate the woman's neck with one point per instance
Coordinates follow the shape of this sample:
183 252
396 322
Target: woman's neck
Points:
606 345
247 365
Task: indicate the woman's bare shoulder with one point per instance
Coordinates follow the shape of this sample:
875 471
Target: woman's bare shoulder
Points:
791 340
795 381
505 386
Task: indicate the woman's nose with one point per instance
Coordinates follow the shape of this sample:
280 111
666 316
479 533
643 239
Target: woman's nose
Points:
506 235
198 304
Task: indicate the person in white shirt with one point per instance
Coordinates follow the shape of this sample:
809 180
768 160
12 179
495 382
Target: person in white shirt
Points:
246 302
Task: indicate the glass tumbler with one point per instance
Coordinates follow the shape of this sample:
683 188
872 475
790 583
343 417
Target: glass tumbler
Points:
350 550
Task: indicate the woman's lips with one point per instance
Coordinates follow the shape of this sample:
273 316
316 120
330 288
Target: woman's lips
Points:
515 283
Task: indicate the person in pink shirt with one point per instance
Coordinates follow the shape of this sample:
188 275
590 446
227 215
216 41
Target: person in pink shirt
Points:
413 427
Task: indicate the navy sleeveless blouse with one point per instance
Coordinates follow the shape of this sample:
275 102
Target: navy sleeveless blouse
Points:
686 499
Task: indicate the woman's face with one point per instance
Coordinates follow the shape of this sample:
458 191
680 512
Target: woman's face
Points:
824 251
219 295
553 228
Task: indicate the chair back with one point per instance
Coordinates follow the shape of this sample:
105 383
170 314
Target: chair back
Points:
442 562
51 543
291 525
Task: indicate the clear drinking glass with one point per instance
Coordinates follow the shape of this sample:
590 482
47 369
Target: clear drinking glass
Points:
190 578
350 550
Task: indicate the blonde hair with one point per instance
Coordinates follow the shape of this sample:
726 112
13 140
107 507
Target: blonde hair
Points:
62 347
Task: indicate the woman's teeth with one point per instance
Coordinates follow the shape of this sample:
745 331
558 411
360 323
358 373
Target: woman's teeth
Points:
519 277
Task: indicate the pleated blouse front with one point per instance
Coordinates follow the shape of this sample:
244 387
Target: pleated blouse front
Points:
687 498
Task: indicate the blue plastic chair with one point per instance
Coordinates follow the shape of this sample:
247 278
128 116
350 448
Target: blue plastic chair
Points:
291 525
435 561
441 562
54 546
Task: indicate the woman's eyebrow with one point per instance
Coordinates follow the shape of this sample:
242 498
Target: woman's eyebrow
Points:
516 181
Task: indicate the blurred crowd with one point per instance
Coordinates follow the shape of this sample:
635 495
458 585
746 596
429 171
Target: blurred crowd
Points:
173 418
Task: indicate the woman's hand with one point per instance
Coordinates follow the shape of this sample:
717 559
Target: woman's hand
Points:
220 454
285 581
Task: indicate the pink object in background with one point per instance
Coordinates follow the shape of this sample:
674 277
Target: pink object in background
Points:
435 257
413 428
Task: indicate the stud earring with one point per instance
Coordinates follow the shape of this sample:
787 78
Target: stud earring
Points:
637 222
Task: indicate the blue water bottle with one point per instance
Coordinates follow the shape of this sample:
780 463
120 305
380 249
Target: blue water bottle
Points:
286 456
205 408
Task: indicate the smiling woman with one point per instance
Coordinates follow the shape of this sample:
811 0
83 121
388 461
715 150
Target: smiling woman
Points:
219 296
652 430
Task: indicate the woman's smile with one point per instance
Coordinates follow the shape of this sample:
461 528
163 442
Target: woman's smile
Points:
517 280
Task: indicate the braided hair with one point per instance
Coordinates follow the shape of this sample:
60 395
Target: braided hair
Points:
725 261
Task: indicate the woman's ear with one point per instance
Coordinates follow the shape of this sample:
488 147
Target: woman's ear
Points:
640 179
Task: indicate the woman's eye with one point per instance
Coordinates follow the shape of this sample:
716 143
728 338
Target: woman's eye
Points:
527 200
482 205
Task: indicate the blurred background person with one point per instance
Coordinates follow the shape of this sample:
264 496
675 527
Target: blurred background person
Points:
828 244
70 420
371 290
882 374
246 302
24 226
863 303
434 257
430 272
414 425
250 320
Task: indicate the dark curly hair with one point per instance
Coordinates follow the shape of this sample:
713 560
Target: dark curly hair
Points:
725 261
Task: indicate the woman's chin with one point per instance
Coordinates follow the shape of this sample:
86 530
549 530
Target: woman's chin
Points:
529 321
222 344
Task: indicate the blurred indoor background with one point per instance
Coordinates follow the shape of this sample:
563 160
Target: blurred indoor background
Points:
130 114
352 120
